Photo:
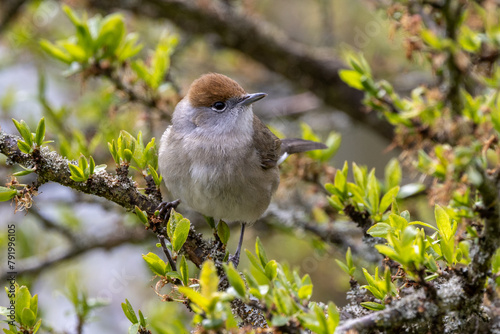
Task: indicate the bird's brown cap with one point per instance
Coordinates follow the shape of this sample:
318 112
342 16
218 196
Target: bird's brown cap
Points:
213 87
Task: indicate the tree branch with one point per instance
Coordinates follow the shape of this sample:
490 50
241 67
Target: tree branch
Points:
415 312
490 238
37 264
313 69
10 8
49 166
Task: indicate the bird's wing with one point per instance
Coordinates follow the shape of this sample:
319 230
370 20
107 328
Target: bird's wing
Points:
266 144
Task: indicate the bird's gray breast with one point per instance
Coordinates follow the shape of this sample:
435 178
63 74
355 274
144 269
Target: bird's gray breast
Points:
219 177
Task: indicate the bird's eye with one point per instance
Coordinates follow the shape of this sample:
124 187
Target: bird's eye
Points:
219 106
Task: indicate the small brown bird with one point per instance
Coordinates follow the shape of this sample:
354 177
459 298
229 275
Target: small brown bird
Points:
219 158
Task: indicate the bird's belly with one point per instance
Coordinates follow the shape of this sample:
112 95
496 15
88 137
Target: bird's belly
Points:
218 189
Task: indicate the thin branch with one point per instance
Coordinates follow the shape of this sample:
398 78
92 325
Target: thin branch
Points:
37 264
490 238
167 252
415 311
49 224
307 67
52 167
10 9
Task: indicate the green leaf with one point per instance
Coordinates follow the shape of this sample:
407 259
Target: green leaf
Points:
134 329
447 248
348 258
333 317
127 155
393 174
305 291
142 215
76 173
335 203
352 78
330 188
114 151
28 317
320 316
34 305
343 266
443 222
209 281
129 312
380 230
156 178
373 192
210 221
111 34
24 172
91 166
423 224
181 233
235 280
174 274
388 198
142 320
175 218
25 131
430 38
23 300
397 222
341 183
333 143
223 232
55 52
157 265
261 253
25 148
195 297
40 132
6 194
76 52
388 251
271 269
83 163
184 271
373 306
359 176
128 48
255 262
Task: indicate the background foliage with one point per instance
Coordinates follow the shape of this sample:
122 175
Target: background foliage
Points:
414 240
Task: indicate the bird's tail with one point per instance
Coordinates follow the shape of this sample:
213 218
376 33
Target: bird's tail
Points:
295 145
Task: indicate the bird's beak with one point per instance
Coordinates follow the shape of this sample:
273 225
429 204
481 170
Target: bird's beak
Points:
251 98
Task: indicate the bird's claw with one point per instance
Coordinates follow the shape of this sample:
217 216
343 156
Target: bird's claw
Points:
235 259
165 208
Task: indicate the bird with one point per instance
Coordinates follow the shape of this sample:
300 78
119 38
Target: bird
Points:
219 158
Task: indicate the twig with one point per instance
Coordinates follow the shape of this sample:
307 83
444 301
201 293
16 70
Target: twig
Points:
35 265
167 252
10 9
49 224
490 238
414 309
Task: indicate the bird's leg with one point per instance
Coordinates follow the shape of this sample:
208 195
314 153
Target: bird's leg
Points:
166 207
235 259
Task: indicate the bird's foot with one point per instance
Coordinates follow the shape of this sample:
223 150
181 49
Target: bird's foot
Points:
235 259
165 208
